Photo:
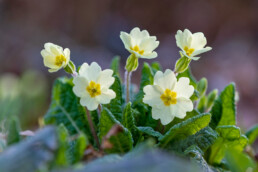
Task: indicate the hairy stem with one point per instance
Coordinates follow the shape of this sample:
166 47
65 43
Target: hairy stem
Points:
127 85
92 129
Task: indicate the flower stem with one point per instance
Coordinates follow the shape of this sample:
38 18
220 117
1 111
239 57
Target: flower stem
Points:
99 110
92 129
127 85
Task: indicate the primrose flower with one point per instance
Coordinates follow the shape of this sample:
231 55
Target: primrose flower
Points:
140 43
92 85
55 57
191 44
168 97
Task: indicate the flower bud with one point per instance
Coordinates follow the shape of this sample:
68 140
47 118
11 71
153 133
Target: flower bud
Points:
131 63
182 64
211 98
202 86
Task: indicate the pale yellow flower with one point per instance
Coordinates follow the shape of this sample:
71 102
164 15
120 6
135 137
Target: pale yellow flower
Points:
140 43
191 44
55 57
92 85
168 97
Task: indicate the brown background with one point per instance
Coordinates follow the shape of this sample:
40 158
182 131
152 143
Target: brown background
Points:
91 30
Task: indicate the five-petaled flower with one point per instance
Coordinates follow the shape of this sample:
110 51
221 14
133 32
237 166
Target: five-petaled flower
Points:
191 44
55 57
140 43
92 85
168 97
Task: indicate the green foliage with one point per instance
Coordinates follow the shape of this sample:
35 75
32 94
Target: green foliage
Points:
76 148
224 110
115 66
238 161
229 136
202 86
149 132
65 109
129 122
252 134
13 131
185 129
115 106
121 141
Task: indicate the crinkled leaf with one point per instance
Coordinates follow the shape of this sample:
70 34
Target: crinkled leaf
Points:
66 109
191 114
224 109
121 142
185 129
229 136
77 148
61 158
252 134
202 139
196 155
149 131
115 106
129 122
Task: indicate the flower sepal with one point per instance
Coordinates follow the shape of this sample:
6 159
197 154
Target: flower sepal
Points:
182 64
70 68
131 63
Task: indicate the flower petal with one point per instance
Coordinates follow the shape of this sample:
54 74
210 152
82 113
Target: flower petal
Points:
90 103
182 106
200 51
80 84
105 78
183 89
198 41
166 80
164 114
91 73
106 96
152 95
126 39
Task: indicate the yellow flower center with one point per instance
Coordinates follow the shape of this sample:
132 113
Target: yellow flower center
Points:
93 89
136 49
188 51
59 60
168 97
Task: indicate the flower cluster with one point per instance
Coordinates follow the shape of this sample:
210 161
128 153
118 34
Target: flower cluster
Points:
168 96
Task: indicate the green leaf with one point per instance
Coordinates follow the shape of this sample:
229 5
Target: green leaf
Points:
143 109
115 106
146 79
66 109
13 131
129 122
61 158
115 66
224 109
252 134
122 141
202 104
185 129
238 161
155 66
202 86
202 139
189 75
150 132
229 136
77 148
196 155
178 120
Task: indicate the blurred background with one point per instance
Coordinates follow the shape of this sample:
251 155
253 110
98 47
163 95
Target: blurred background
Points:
91 28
